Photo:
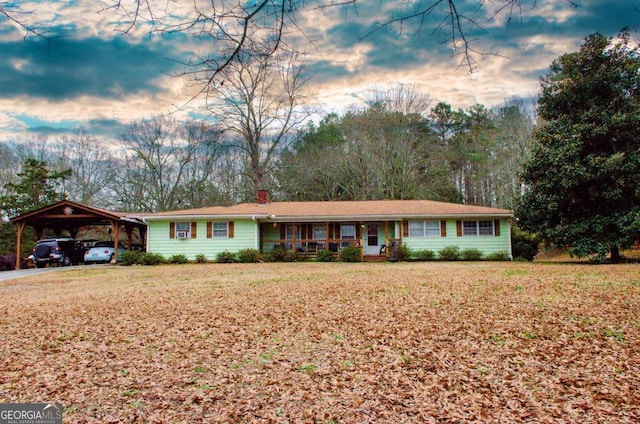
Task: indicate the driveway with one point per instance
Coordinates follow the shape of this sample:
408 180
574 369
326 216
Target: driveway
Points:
10 275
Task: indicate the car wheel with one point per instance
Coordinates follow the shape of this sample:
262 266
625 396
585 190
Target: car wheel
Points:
40 264
66 261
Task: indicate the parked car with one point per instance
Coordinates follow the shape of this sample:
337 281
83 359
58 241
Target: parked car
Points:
89 243
102 252
63 251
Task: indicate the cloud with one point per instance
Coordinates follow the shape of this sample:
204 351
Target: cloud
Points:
70 67
96 79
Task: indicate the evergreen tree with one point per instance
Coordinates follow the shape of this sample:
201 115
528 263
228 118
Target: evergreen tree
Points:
36 188
583 187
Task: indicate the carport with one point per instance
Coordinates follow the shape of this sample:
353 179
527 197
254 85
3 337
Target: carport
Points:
71 216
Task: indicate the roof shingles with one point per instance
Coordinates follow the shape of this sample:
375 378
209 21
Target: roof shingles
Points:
339 209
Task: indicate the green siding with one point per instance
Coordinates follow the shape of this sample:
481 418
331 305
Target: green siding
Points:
159 241
245 236
486 244
269 232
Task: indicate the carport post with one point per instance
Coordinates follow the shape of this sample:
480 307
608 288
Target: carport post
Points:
21 226
116 239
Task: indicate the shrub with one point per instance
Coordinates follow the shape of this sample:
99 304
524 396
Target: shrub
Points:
249 256
425 255
201 259
449 253
399 251
350 254
151 259
524 244
472 254
178 259
324 255
131 257
280 254
225 257
498 256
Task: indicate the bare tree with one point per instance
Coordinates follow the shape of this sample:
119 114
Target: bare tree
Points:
92 166
404 98
164 163
258 106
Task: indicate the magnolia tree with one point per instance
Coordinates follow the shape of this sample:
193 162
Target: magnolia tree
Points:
583 190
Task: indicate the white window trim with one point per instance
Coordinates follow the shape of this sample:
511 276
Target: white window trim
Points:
477 228
424 228
213 229
342 235
182 233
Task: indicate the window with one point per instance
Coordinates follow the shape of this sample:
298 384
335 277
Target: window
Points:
485 228
347 232
220 230
183 230
428 228
477 228
289 231
319 232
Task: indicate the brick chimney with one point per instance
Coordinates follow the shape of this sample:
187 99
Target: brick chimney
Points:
263 197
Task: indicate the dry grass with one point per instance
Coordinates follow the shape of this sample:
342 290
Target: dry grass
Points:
326 343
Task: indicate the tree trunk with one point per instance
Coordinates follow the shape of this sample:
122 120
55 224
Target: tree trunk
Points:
615 254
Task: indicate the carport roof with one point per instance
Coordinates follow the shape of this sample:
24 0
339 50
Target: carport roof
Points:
67 212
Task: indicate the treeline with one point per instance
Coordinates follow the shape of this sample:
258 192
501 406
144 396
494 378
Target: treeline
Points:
392 149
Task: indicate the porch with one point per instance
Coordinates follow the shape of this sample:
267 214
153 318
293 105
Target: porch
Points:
374 239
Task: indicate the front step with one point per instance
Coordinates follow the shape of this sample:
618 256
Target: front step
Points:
374 258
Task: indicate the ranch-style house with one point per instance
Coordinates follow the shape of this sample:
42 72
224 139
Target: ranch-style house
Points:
375 226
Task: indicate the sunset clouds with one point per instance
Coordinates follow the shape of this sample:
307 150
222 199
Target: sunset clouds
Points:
90 75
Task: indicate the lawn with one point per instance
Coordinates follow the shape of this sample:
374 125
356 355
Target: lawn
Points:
326 343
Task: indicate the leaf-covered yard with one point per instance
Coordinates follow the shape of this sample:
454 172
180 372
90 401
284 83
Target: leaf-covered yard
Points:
326 343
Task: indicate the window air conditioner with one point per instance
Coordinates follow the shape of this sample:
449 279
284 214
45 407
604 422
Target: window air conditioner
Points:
182 234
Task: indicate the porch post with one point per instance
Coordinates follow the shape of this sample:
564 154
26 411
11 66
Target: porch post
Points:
294 227
327 235
362 229
21 226
386 236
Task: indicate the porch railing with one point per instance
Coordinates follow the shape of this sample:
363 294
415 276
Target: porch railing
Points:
312 246
309 246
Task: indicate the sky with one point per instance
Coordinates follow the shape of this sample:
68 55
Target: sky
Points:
88 75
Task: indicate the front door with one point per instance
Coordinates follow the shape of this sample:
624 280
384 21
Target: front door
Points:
372 244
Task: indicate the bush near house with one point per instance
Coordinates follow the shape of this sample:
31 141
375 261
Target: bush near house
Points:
498 256
400 251
281 255
133 257
424 255
152 259
449 253
226 257
350 254
201 259
472 254
524 244
178 259
249 256
324 255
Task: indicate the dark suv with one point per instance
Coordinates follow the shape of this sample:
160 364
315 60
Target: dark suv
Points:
63 251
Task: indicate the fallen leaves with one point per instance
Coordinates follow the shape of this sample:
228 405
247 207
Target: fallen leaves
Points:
311 342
